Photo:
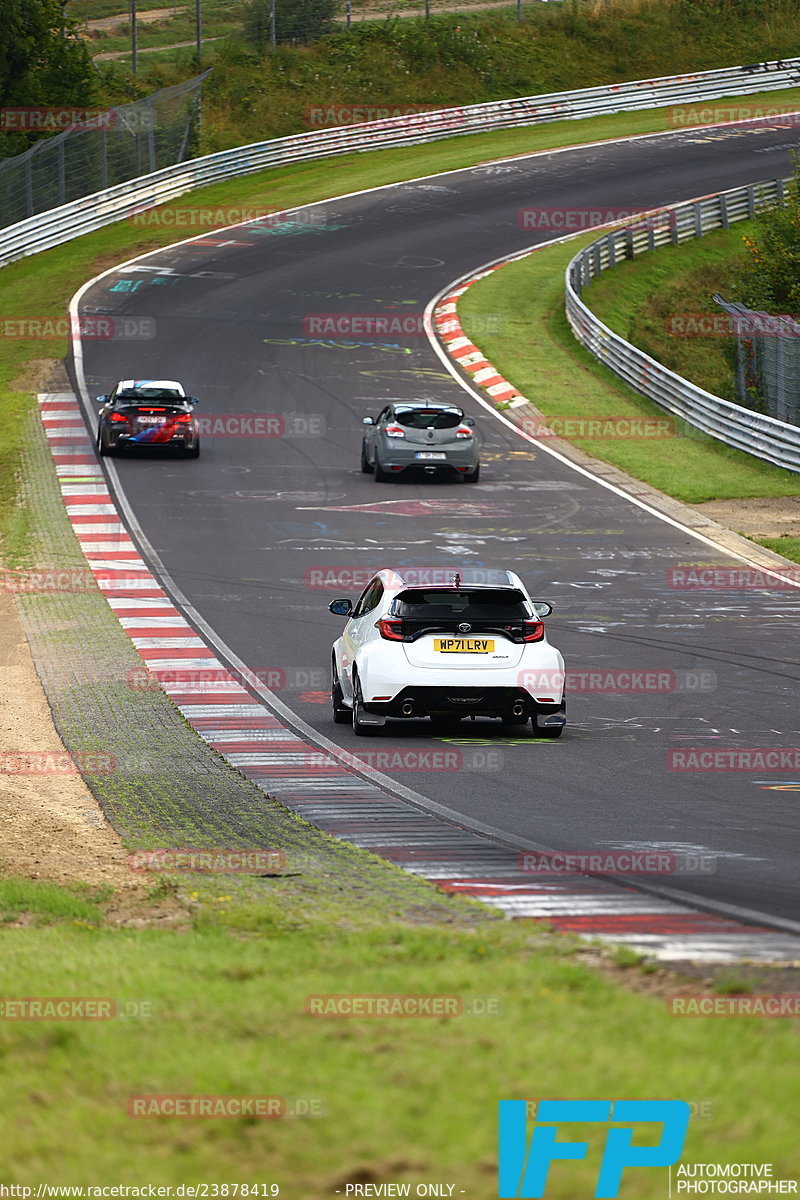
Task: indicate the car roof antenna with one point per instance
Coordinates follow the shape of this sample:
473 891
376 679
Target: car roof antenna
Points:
457 580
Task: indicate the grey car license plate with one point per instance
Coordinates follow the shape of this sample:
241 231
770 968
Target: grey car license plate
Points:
152 420
429 454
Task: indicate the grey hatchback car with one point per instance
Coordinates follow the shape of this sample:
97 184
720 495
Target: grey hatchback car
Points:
418 436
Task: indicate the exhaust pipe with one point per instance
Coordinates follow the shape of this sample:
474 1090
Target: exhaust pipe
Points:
518 709
407 708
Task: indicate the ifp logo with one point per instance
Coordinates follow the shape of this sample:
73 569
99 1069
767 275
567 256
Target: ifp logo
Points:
524 1166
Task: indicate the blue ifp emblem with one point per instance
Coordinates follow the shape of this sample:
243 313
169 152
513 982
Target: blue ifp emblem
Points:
524 1167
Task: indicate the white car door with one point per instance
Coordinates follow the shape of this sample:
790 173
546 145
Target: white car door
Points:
359 630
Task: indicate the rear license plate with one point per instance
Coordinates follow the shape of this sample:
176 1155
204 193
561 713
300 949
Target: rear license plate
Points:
429 454
464 645
152 420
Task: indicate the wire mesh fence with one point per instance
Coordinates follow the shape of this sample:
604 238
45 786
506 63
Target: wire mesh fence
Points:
113 146
767 360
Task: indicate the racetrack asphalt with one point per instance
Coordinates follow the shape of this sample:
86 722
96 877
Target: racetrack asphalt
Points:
243 530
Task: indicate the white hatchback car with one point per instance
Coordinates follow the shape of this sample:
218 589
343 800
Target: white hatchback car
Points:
468 642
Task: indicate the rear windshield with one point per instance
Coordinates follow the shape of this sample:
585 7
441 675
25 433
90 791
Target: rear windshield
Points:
149 396
427 418
488 604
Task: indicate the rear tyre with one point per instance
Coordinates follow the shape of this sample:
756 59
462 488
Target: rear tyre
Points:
341 714
473 476
359 728
104 450
192 451
366 466
381 476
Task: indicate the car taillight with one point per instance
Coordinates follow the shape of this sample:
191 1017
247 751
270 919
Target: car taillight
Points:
183 418
392 631
463 432
532 631
394 431
118 417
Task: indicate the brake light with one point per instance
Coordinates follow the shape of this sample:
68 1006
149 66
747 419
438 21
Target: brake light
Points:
532 631
394 431
118 417
463 432
183 419
392 631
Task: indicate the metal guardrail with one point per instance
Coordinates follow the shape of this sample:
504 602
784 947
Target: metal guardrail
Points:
81 216
776 442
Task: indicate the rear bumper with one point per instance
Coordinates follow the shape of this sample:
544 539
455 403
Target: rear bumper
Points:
397 459
505 702
186 440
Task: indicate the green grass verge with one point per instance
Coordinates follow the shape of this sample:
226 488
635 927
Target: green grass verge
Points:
639 299
401 1099
535 349
786 545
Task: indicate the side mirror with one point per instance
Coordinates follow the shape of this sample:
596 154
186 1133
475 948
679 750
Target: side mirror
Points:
101 399
192 400
340 608
367 421
468 421
542 608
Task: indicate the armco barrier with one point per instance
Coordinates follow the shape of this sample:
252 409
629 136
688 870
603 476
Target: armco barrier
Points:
765 437
102 208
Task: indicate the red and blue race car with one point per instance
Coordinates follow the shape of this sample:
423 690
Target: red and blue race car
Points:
148 413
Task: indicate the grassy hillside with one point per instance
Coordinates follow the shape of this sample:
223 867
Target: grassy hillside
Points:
461 59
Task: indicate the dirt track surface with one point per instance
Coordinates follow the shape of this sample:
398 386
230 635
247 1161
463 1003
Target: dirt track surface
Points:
51 827
759 517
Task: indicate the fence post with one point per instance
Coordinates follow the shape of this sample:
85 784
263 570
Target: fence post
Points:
62 180
103 158
723 211
151 135
29 186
